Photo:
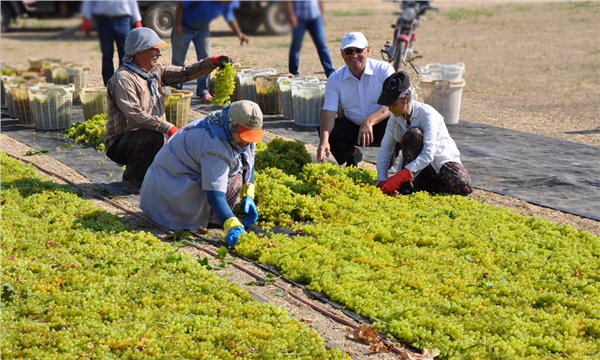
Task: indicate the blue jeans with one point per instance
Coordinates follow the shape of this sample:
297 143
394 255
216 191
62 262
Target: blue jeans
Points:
180 44
110 31
316 29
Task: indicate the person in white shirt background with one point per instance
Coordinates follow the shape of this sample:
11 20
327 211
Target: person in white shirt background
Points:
355 88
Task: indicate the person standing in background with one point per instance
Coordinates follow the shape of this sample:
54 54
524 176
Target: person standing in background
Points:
308 16
192 25
113 20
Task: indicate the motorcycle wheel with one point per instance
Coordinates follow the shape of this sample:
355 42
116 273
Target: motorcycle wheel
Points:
399 54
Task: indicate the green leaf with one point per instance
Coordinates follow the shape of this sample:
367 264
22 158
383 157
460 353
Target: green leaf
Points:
8 292
222 252
36 152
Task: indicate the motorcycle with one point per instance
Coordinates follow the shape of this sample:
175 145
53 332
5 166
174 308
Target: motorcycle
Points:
405 32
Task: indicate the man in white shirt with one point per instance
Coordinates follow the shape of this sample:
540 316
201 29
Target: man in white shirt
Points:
355 88
430 158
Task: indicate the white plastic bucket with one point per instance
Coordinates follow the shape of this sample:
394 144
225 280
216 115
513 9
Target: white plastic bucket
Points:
436 72
445 97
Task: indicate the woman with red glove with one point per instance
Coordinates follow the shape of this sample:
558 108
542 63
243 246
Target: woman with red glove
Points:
430 158
113 19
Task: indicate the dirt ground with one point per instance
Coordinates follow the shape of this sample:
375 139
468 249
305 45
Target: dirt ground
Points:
530 66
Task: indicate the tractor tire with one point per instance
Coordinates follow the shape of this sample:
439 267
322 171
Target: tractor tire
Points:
275 18
160 18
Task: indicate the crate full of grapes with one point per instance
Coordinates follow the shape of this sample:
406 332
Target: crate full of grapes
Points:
177 106
51 106
307 100
93 101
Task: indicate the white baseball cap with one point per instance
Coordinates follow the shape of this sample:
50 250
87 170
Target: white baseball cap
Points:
354 39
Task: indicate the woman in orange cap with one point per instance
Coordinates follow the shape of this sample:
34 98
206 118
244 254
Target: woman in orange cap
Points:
207 165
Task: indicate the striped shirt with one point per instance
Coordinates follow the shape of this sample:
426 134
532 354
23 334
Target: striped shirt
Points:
306 10
130 104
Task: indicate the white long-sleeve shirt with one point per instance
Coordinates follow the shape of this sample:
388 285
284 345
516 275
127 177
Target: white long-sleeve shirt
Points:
438 146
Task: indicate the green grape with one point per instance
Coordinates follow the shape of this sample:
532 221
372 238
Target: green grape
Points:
78 281
90 132
224 85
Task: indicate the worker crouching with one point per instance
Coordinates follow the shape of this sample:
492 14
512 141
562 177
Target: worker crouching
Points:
204 170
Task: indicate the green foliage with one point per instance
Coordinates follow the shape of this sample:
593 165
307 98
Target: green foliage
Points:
288 156
90 132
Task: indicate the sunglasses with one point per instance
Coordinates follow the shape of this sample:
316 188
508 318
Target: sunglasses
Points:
350 51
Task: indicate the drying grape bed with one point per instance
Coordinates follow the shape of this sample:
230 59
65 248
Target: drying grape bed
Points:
78 284
445 272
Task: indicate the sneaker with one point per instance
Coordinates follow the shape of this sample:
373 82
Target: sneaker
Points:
355 159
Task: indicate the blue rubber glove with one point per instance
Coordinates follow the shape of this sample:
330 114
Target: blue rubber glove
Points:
250 210
234 229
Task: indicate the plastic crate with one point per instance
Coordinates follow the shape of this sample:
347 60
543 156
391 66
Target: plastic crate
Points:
8 96
285 93
51 105
48 65
267 93
445 97
20 97
17 96
307 100
247 83
93 101
177 106
77 75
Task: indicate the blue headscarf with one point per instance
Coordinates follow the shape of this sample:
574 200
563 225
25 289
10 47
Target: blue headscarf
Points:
219 124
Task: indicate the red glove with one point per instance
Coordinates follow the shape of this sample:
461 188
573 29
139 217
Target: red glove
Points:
86 27
172 130
392 184
220 60
138 24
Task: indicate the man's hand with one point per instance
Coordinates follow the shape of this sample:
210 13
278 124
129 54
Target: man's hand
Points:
323 149
86 26
391 185
221 60
365 134
244 39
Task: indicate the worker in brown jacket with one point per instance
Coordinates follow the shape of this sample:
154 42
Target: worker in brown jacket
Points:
137 125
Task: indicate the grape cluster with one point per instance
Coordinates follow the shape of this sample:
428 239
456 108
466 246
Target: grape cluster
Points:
224 85
90 132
